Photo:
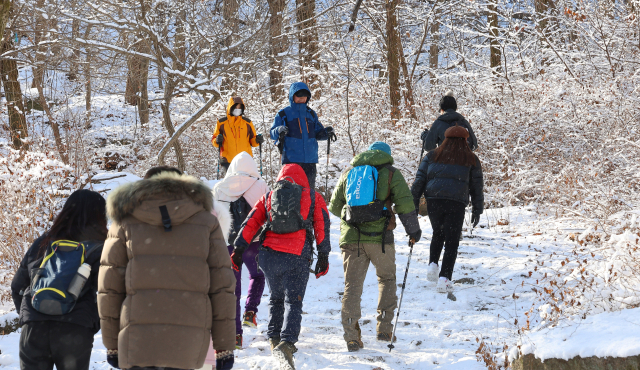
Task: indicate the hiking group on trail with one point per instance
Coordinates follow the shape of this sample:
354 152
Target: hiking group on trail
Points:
163 283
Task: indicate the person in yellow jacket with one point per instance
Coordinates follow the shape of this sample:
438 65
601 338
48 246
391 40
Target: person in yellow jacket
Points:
235 133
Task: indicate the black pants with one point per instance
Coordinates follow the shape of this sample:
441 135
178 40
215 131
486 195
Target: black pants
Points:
447 217
47 343
311 171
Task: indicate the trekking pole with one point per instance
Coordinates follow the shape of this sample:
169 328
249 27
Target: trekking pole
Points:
404 283
260 146
219 155
326 176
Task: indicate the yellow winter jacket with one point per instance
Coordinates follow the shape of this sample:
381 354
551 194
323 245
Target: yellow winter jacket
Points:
238 132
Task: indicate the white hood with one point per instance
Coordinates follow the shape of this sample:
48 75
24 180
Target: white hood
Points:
242 179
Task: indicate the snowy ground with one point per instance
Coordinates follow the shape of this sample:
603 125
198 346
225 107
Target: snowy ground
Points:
434 332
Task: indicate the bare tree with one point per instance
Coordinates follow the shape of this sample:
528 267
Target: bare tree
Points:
277 44
13 94
308 43
393 63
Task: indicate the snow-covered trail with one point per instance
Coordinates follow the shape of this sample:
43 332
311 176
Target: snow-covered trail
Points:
433 331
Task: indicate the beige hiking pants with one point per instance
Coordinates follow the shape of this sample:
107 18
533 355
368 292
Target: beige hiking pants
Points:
355 270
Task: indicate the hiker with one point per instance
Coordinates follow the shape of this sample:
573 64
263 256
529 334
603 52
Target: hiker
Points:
366 235
296 131
448 117
165 284
234 133
294 214
59 330
241 188
447 177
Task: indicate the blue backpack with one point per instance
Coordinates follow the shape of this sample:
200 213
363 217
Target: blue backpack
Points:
50 282
362 202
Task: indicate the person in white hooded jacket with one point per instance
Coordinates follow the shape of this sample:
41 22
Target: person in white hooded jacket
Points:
240 190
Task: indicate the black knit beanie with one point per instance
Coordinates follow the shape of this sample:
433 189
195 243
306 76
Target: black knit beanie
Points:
448 101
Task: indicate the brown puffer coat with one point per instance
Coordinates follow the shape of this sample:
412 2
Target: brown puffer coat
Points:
163 292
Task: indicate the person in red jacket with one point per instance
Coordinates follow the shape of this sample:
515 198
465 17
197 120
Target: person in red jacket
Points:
285 258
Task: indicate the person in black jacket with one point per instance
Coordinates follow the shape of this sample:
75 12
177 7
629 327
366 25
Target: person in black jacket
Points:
434 137
62 340
447 177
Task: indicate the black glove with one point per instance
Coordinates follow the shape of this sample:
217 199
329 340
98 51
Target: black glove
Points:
423 135
475 218
416 235
283 130
219 139
322 266
236 259
224 360
328 130
259 139
112 358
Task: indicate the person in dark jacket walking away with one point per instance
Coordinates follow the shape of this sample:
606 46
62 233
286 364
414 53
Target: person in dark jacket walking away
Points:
296 131
165 284
449 117
62 340
372 242
447 177
285 257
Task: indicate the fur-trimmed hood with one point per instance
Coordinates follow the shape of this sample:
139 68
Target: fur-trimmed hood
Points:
183 196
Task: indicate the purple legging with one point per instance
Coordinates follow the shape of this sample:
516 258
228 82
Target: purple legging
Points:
256 283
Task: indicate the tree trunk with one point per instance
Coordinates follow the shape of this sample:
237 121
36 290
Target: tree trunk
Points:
308 41
542 7
393 64
87 79
277 46
74 62
408 94
41 30
13 95
434 50
494 45
136 92
166 120
5 9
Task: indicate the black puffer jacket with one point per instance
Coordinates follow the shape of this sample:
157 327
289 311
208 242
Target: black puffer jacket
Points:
449 181
84 313
435 136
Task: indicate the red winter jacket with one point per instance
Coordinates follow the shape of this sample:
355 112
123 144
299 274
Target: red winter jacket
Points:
293 242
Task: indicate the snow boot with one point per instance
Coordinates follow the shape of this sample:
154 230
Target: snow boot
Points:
249 319
386 337
355 345
284 354
238 341
273 342
444 285
432 272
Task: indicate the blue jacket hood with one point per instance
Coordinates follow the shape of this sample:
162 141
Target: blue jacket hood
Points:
295 87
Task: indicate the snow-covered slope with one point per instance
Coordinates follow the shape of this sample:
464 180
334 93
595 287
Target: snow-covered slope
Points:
433 331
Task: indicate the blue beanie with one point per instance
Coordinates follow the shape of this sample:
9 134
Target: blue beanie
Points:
379 145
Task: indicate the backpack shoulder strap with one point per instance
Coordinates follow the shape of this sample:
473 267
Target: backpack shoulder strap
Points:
312 208
313 113
91 247
222 119
283 115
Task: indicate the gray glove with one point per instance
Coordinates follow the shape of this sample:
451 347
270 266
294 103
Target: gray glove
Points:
219 139
259 139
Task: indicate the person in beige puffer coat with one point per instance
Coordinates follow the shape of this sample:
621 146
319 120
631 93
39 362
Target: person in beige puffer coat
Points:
165 284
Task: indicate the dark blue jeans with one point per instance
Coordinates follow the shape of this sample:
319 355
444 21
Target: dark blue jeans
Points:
287 276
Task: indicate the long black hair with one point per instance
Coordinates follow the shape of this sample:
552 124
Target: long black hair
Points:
83 209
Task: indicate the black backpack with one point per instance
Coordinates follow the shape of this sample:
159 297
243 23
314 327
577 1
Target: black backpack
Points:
285 216
239 210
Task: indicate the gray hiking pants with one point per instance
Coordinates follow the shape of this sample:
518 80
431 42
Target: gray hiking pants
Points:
355 270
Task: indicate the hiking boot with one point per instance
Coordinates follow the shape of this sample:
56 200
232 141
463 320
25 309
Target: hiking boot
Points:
284 354
354 345
249 319
444 285
432 272
238 341
273 342
386 337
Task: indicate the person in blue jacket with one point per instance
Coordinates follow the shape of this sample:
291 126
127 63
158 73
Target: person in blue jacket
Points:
296 131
